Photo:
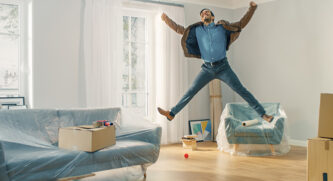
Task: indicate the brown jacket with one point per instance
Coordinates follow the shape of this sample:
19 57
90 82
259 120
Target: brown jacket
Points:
189 40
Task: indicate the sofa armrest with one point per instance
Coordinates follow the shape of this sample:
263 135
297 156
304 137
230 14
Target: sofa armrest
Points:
279 129
279 124
3 169
231 123
150 134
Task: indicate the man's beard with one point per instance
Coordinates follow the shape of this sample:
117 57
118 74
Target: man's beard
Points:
208 19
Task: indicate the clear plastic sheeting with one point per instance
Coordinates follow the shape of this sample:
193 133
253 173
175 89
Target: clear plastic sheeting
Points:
256 138
29 139
133 173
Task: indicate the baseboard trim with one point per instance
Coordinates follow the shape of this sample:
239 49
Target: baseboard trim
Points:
298 143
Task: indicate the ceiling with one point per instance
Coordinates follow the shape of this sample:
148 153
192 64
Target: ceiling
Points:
230 4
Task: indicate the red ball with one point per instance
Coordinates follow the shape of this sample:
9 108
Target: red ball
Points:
186 155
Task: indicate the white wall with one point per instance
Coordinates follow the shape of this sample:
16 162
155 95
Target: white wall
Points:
284 55
199 105
56 36
56 32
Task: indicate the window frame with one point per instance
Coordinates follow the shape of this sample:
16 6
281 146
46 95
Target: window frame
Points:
21 51
133 12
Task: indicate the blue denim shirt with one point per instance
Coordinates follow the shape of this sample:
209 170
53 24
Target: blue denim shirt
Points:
212 42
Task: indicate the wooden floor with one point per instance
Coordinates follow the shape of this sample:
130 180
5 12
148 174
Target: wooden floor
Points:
208 163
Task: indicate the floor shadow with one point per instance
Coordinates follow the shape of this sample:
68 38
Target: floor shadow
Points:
287 156
196 176
205 149
295 153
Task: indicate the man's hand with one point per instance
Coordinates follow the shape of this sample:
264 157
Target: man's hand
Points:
253 4
163 16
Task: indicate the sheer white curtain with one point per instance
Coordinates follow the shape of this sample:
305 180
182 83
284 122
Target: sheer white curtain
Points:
169 79
101 52
101 56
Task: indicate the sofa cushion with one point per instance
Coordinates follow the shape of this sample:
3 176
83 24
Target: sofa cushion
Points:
259 130
88 116
27 124
243 111
54 162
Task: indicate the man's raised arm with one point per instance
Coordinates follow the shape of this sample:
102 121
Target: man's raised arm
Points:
246 18
177 28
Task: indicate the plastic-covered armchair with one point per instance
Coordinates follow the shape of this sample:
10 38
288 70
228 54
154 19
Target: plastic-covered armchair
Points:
260 139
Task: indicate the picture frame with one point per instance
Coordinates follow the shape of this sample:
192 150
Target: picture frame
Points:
12 101
17 107
4 106
202 128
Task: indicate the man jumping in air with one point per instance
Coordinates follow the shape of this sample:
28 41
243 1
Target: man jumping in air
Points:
210 42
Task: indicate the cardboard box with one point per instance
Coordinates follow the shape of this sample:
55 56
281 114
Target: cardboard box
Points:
189 144
320 159
86 138
325 128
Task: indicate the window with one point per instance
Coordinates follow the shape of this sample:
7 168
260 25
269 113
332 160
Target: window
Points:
10 46
135 58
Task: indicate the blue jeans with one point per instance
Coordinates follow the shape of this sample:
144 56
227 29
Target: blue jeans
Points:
222 71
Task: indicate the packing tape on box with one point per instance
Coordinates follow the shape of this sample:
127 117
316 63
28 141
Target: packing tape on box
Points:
327 145
250 122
